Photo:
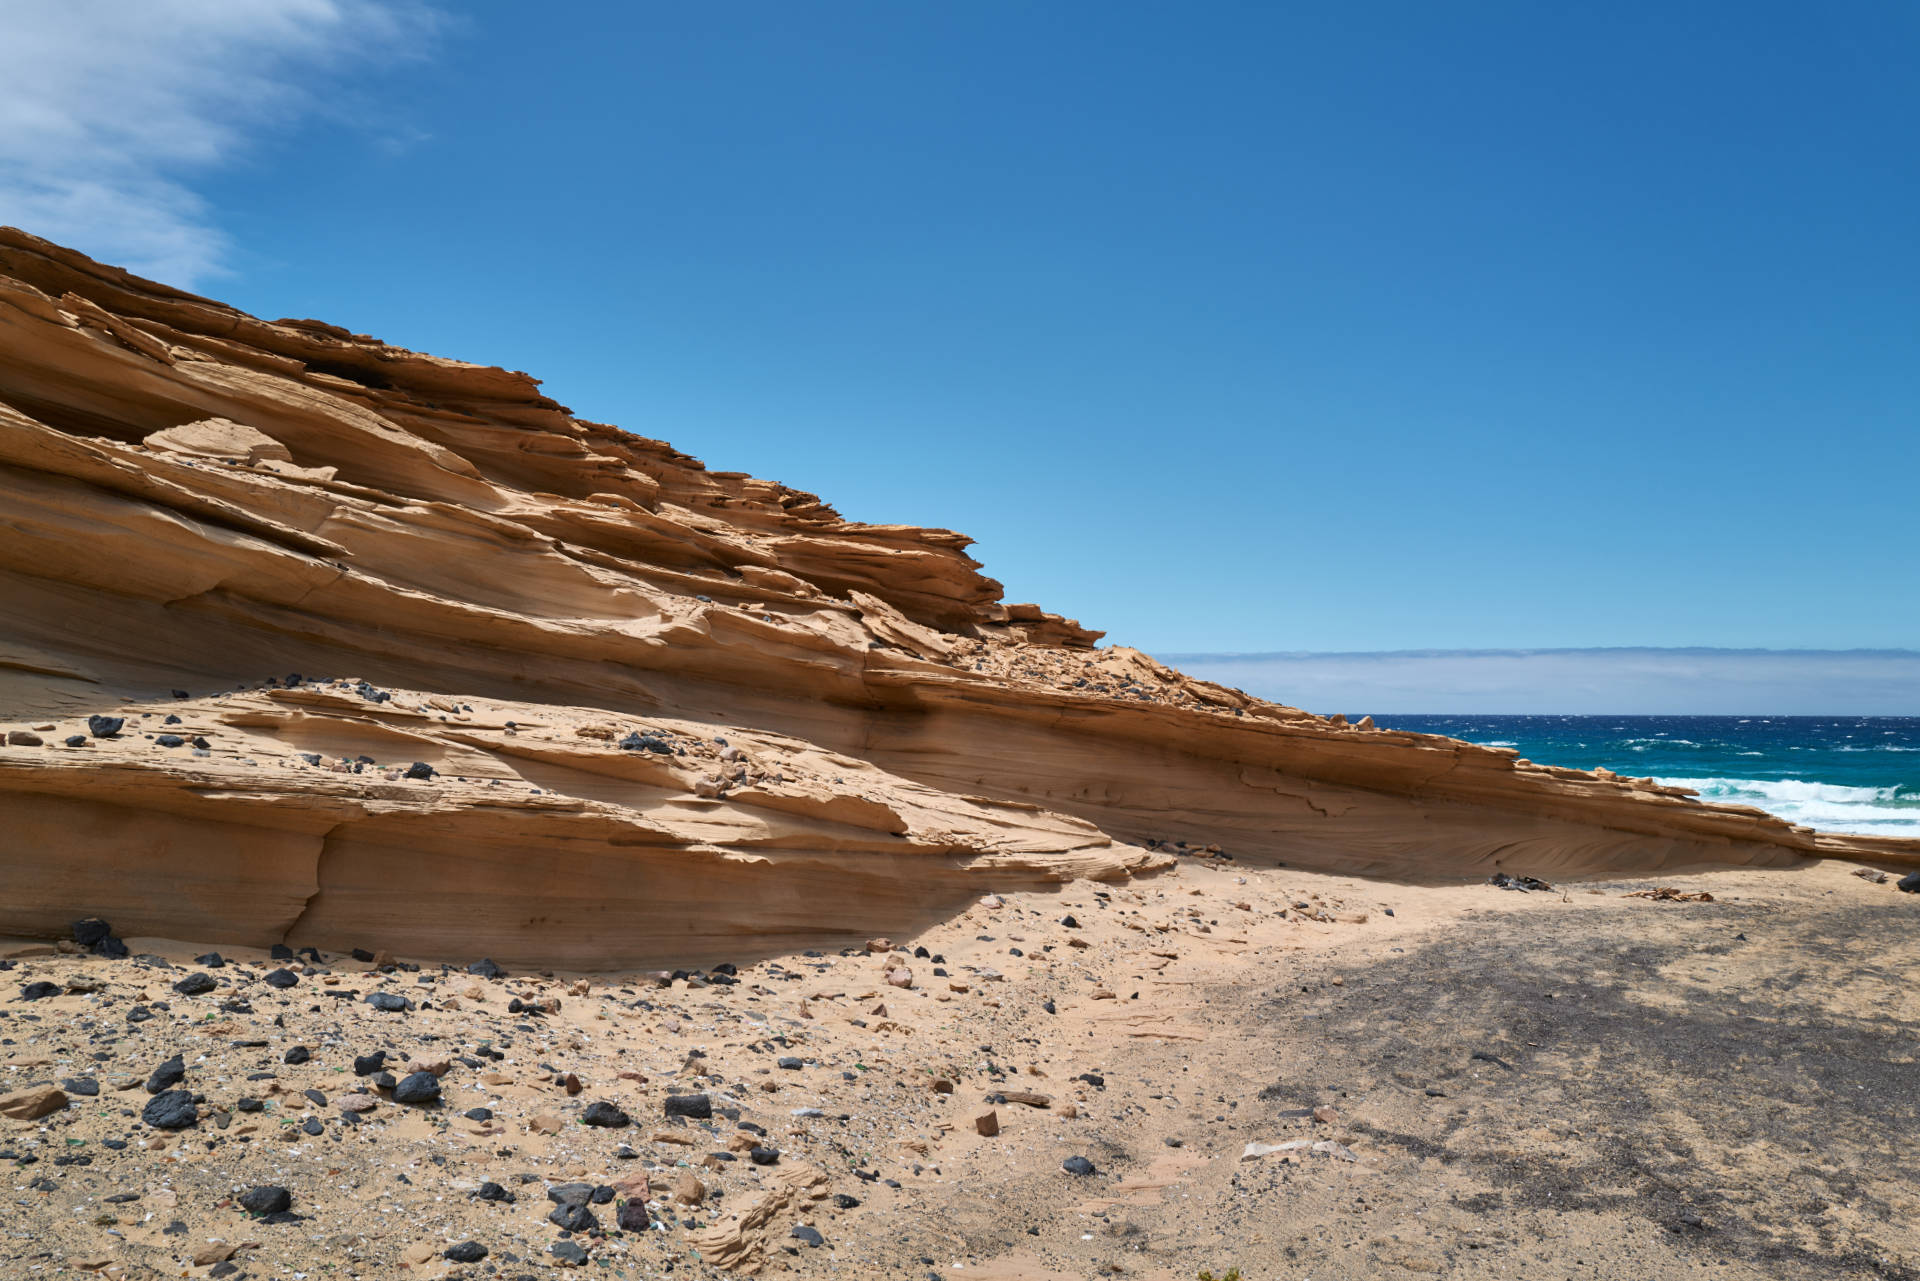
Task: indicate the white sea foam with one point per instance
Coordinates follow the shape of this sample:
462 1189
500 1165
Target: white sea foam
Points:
1869 811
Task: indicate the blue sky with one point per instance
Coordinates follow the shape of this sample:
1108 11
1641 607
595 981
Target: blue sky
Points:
1225 327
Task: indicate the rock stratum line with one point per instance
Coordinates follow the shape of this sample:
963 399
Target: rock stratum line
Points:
407 656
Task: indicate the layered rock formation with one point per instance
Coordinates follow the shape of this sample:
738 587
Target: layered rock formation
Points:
458 672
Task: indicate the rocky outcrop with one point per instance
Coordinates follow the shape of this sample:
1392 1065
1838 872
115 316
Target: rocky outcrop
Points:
656 710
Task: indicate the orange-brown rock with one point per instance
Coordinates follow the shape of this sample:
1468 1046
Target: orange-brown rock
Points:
832 730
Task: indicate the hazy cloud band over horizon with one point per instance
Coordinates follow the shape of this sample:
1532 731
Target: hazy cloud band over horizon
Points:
109 109
1700 682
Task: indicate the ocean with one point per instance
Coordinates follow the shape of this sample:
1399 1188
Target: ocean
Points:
1841 773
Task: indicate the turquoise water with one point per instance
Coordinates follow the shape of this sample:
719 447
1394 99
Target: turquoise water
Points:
1841 773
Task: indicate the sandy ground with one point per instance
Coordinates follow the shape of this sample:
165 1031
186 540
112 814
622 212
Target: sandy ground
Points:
1572 1083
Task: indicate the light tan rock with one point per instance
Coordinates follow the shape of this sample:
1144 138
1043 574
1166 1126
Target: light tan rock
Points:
32 1103
220 438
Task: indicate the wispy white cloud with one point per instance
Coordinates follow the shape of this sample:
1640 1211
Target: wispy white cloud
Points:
110 109
1702 682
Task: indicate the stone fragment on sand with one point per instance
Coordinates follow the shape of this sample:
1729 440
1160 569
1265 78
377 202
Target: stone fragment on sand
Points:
573 1218
173 1110
465 1252
170 1073
24 738
696 1107
1254 1151
105 726
418 1088
266 1199
1077 1165
987 1124
33 1103
605 1116
633 1217
90 931
195 985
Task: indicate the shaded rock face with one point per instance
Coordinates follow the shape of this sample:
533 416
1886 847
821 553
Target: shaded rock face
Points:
459 673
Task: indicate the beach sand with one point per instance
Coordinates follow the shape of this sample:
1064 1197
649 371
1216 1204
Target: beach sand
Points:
1568 1083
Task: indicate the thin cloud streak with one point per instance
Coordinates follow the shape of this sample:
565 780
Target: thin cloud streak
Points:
110 109
1696 682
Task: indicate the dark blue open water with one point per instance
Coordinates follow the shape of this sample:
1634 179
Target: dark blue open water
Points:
1841 773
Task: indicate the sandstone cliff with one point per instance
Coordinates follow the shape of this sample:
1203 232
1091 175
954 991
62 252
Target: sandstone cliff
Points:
407 656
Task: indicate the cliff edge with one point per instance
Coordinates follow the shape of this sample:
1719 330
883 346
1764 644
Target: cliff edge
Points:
306 638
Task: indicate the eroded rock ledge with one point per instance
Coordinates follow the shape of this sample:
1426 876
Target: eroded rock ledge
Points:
462 574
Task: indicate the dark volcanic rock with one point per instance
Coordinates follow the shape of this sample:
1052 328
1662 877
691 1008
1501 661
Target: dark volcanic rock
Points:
605 1115
466 1252
167 1075
90 931
1077 1165
698 1107
105 726
195 985
574 1218
282 979
173 1110
420 1087
266 1199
